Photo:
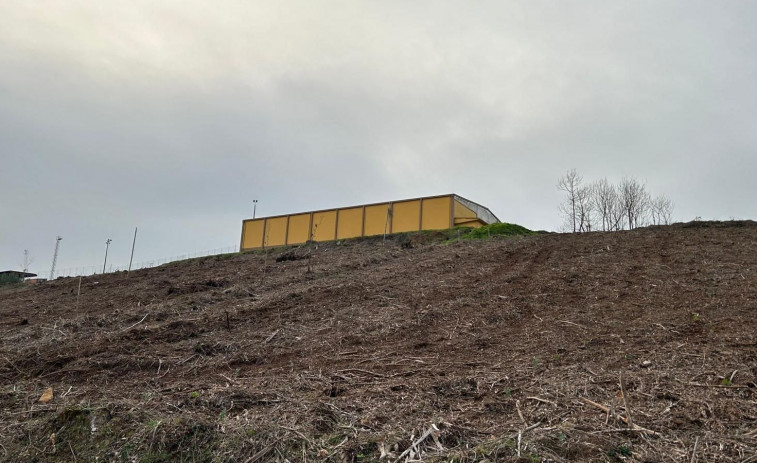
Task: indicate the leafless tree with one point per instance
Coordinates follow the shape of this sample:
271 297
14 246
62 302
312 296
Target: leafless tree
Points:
584 209
605 202
571 184
661 210
617 215
602 205
635 201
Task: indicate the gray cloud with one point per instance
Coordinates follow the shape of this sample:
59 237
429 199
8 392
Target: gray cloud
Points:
174 115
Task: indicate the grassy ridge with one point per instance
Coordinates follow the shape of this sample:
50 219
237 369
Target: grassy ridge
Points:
487 231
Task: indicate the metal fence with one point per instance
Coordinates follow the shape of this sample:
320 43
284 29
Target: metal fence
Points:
110 268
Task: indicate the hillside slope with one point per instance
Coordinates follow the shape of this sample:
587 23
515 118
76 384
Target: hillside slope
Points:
508 346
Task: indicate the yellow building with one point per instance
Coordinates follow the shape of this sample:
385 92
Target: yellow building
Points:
430 213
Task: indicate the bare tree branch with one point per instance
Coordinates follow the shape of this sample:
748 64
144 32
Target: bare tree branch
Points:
604 198
584 209
635 202
570 183
661 210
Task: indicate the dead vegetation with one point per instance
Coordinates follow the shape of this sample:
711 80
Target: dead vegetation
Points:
628 346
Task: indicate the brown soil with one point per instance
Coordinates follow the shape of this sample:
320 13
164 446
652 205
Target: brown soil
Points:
500 344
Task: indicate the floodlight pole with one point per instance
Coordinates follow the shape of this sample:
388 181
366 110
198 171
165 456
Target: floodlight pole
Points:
107 245
254 207
55 256
132 248
26 260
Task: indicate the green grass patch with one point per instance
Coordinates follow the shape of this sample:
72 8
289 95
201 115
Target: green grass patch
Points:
487 231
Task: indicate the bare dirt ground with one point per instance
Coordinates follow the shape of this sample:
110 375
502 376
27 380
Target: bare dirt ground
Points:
630 346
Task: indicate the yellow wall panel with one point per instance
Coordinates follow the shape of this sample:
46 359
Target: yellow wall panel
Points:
275 231
376 219
463 211
436 213
350 223
299 228
252 237
324 224
406 216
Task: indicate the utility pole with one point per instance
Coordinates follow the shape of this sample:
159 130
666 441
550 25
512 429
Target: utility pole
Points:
132 249
55 257
254 207
107 244
27 261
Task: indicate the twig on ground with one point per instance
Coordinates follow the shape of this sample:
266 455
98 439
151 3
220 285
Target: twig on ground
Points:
538 399
520 414
694 452
533 426
187 359
356 370
54 328
589 370
636 427
154 430
610 412
520 437
300 434
629 421
65 370
261 454
273 335
571 323
614 430
34 410
415 444
132 326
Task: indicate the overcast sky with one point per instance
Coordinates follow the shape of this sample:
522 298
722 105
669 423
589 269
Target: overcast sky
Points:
174 115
